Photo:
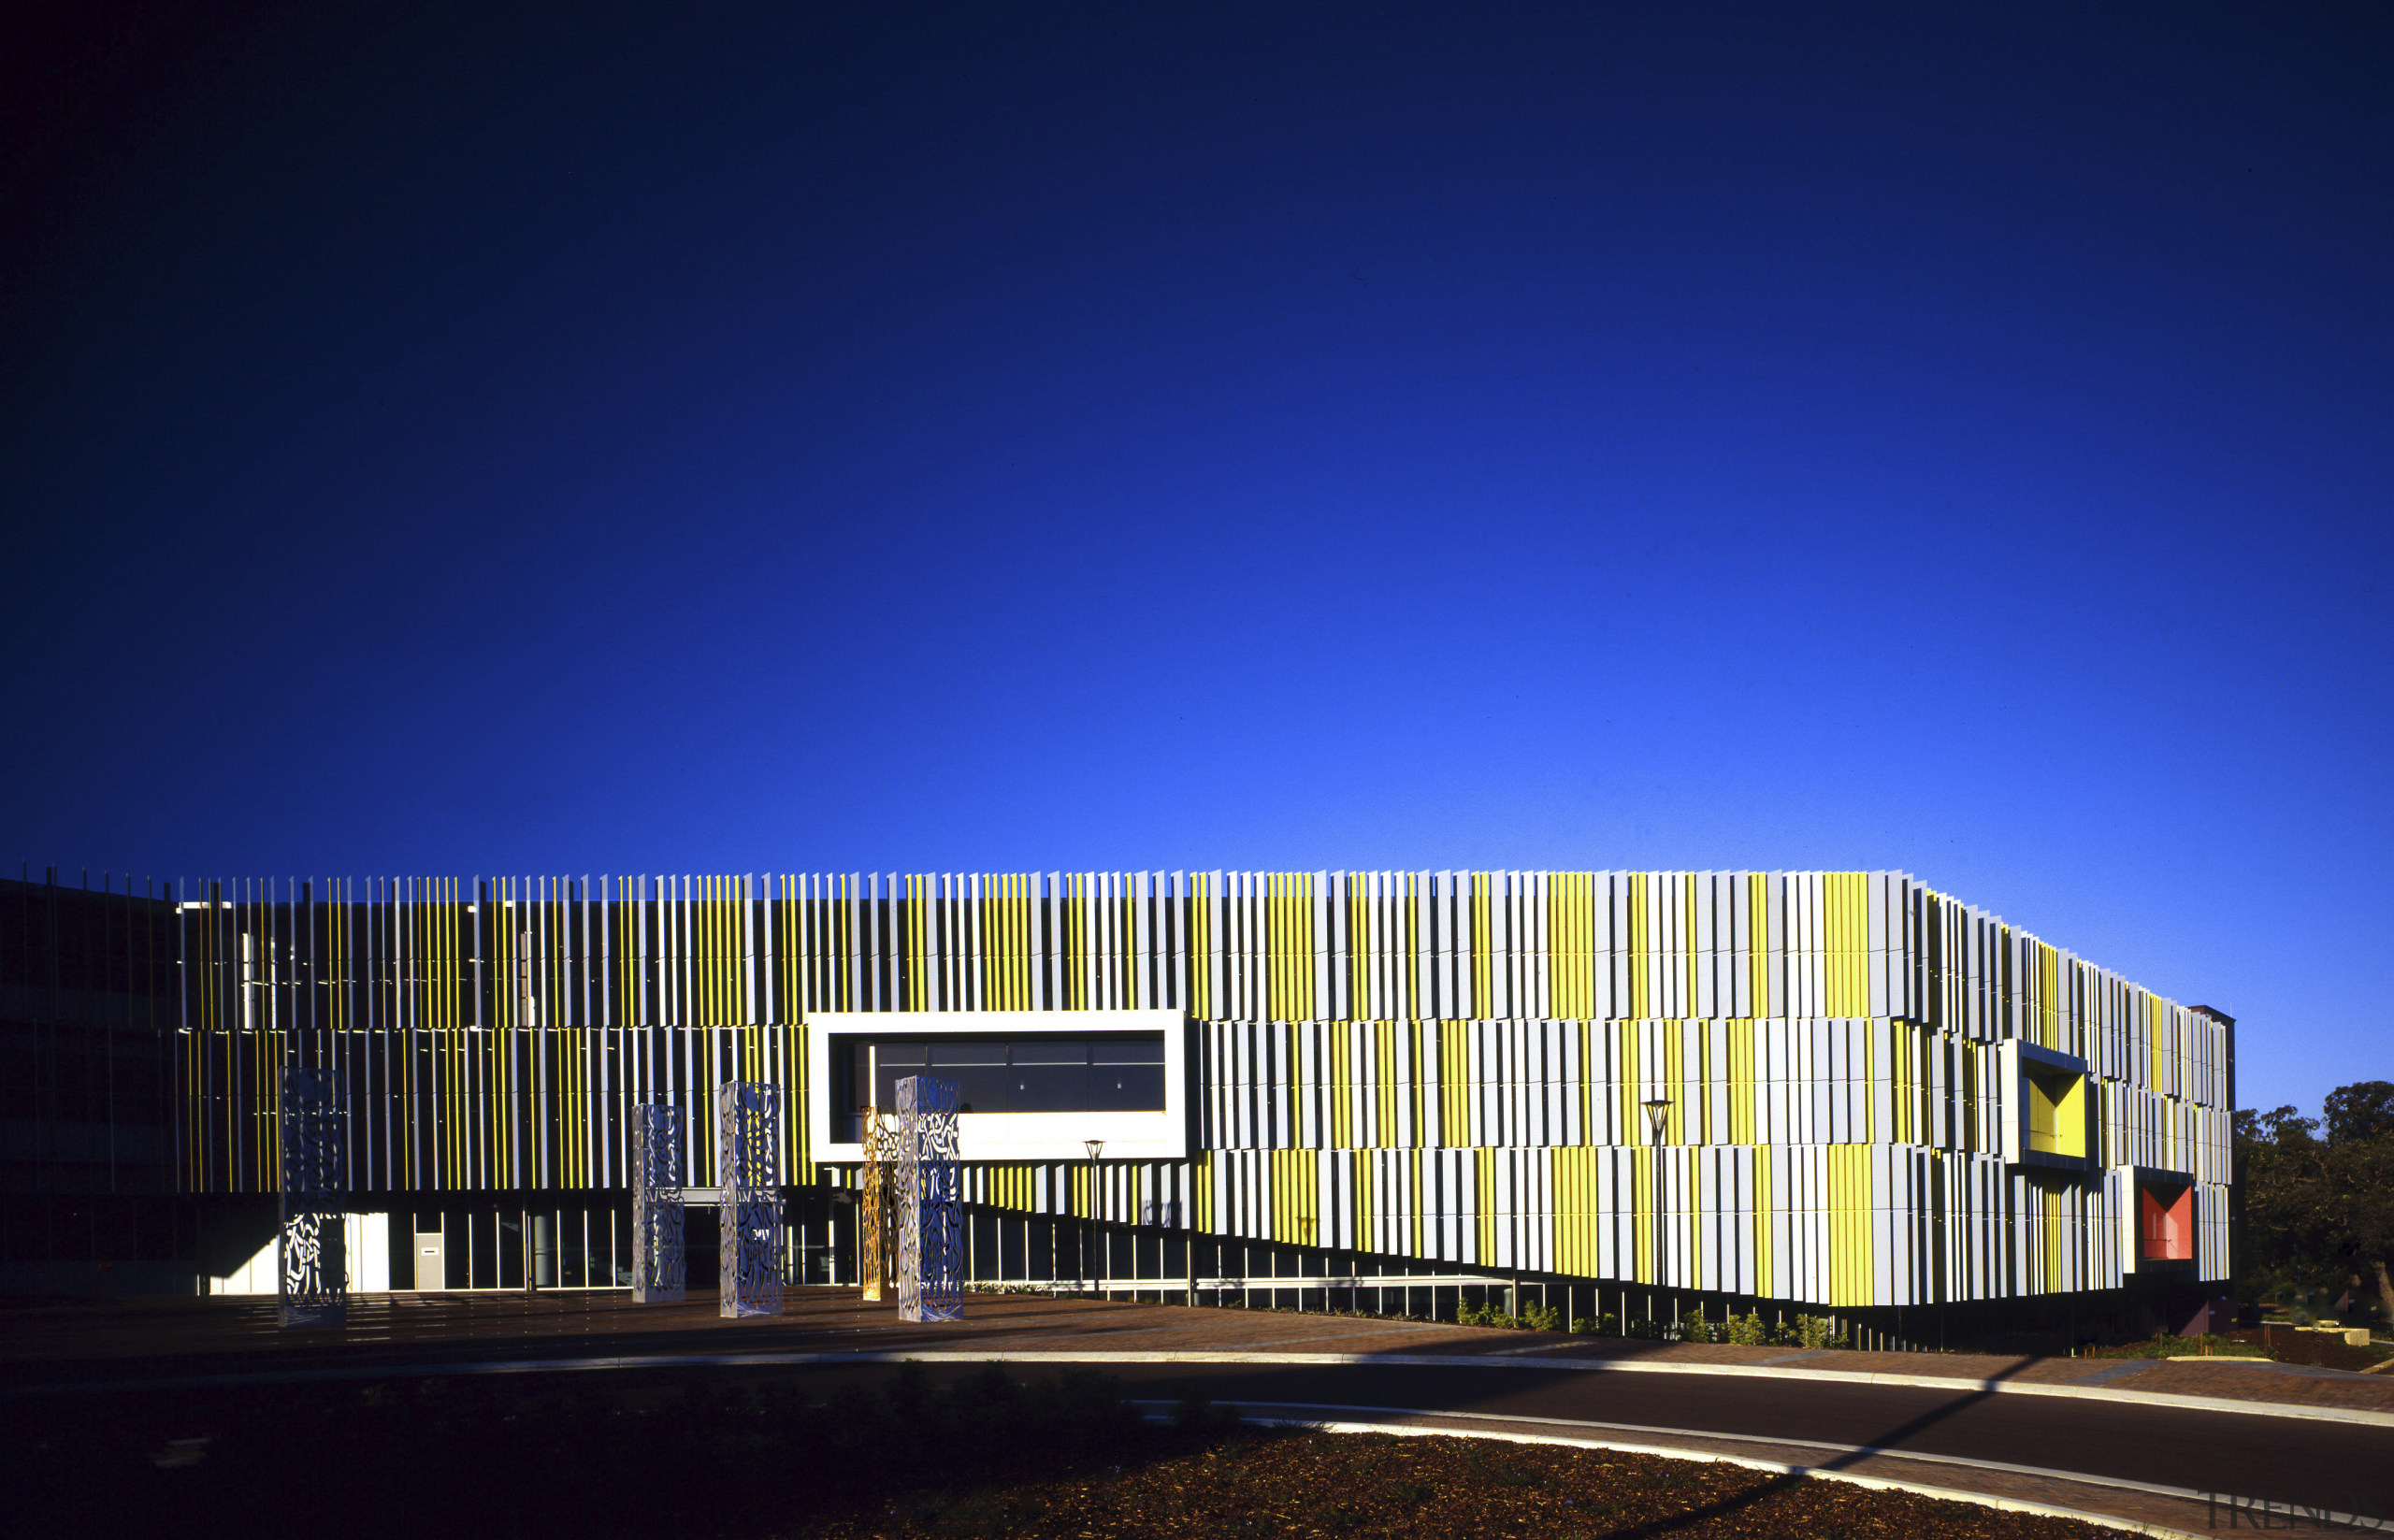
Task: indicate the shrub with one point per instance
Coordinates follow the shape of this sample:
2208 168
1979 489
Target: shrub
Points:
1749 1331
1538 1317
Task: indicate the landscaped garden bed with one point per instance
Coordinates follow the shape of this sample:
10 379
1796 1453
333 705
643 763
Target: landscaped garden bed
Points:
2209 1344
1320 1484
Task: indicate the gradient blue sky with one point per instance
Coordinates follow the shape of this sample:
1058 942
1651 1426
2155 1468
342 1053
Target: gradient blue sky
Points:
1066 436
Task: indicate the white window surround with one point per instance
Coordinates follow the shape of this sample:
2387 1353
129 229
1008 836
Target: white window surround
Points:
2013 1061
1014 1136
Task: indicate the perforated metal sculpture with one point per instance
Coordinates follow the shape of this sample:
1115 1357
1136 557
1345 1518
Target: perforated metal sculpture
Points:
747 1144
877 1208
657 1258
930 1214
312 1251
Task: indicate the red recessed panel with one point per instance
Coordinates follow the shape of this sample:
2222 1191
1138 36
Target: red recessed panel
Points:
2168 1215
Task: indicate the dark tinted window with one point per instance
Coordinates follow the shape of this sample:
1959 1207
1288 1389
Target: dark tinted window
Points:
1053 1051
1048 1087
1043 1075
1125 1088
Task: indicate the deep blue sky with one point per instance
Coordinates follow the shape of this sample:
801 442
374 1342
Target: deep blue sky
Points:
833 438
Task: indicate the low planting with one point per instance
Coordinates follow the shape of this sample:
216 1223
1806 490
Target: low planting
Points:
2167 1346
1813 1331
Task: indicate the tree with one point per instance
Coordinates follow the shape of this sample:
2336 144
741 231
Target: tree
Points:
2325 1202
2360 1172
2362 1111
2267 1144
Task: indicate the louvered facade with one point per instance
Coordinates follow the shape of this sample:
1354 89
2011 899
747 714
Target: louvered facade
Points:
1870 1093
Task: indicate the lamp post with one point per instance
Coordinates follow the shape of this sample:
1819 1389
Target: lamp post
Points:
1096 1147
1657 1110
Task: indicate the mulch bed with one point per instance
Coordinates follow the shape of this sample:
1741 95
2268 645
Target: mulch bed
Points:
1321 1484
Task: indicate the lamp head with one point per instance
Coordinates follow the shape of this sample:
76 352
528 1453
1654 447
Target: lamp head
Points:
1655 1112
1096 1147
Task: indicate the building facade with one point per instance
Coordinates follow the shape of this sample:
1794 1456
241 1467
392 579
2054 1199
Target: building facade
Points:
1833 1091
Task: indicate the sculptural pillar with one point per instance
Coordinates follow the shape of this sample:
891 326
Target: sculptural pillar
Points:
312 1252
748 1257
876 1208
658 1260
930 1216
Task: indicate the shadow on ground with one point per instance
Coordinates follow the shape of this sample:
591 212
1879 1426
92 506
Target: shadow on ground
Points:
693 1454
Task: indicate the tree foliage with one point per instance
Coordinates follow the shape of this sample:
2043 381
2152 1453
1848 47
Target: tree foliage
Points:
2319 1192
2364 1110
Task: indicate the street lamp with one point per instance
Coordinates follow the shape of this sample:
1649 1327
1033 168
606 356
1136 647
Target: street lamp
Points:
1096 1147
1656 1111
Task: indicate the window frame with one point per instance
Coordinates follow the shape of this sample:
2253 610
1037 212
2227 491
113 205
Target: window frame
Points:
1147 1135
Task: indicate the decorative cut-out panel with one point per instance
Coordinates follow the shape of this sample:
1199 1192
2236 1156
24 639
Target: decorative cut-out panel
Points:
315 1265
660 1263
930 1213
876 1238
747 1132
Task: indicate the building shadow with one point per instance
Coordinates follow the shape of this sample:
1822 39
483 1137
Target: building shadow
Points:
1884 1443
